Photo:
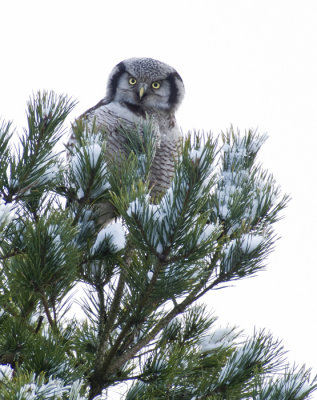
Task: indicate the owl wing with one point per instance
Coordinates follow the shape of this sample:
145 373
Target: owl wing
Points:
104 119
107 120
113 116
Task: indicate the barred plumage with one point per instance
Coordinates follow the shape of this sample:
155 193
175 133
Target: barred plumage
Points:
137 88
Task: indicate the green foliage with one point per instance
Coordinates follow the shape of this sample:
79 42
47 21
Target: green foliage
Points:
137 281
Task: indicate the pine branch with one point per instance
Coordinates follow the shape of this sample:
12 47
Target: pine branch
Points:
142 277
11 254
101 358
178 309
47 311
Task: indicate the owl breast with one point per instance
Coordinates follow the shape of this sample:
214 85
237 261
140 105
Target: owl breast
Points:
137 89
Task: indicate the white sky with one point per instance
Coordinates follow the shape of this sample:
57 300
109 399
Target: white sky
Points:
244 62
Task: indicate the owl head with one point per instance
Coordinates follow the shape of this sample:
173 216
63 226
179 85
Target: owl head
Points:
146 84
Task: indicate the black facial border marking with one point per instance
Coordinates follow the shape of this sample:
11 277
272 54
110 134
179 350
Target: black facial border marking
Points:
136 109
113 83
174 95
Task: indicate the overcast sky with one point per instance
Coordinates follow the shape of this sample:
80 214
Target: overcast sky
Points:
249 63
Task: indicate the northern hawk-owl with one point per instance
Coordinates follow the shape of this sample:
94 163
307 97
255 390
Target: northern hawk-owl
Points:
140 88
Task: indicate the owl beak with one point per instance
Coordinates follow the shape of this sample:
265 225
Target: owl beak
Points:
141 92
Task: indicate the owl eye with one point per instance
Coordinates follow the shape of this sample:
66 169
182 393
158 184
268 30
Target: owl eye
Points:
132 81
156 85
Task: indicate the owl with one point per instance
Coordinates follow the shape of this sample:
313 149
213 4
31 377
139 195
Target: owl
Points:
137 89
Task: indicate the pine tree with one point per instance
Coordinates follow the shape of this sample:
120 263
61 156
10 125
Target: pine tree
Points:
140 280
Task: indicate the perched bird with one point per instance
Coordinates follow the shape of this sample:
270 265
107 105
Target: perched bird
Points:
140 88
